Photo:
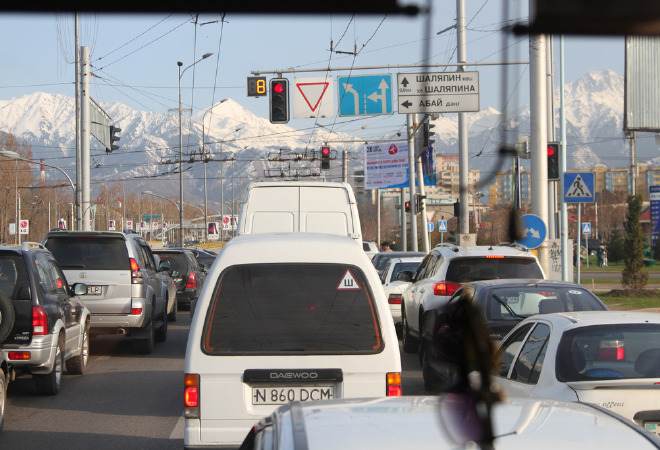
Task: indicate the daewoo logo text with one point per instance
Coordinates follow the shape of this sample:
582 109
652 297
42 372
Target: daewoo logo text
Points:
293 375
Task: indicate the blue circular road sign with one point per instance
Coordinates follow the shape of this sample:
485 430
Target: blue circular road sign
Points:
534 231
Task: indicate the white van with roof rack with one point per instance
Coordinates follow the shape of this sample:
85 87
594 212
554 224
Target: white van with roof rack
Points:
301 206
281 318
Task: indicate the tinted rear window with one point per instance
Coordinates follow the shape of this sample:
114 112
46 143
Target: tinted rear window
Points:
463 270
404 267
13 277
508 303
178 261
89 253
609 352
270 309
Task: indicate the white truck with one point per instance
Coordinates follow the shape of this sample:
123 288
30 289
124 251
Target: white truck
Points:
301 206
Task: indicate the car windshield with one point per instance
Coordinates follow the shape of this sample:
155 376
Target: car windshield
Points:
291 308
177 260
404 267
506 303
609 352
89 252
475 268
13 277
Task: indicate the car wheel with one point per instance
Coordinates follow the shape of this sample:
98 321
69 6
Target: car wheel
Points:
49 384
3 397
410 344
78 364
7 317
172 316
161 332
145 346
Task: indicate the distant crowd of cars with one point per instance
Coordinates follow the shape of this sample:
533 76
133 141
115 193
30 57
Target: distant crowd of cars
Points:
56 295
294 339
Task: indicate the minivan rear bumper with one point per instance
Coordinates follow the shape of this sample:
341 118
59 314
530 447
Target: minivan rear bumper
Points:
221 433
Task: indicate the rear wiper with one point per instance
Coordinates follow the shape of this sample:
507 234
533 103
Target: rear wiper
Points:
506 305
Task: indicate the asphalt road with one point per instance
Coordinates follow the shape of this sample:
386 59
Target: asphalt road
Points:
123 402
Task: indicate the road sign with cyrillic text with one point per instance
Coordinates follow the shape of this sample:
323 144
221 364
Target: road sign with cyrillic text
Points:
438 92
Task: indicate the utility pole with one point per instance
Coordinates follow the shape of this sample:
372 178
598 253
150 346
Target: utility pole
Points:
538 136
463 149
206 199
404 228
344 166
633 163
222 201
549 88
562 161
425 227
411 120
77 70
179 64
84 138
378 217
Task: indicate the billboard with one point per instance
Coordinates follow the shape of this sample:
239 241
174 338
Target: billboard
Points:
642 84
386 165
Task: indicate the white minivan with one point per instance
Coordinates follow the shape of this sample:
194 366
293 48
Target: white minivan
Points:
281 318
301 206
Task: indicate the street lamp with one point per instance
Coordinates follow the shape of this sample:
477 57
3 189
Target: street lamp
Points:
10 154
181 72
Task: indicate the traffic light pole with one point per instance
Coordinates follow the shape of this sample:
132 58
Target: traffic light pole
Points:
85 123
425 229
562 169
404 228
411 121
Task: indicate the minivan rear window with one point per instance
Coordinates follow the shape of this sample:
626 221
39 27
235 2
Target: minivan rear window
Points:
476 268
291 308
89 252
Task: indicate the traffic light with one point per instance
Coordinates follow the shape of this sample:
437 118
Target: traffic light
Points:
427 134
457 209
325 158
279 100
406 206
553 161
113 138
419 203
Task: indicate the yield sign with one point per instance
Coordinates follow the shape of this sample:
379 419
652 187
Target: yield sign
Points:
313 97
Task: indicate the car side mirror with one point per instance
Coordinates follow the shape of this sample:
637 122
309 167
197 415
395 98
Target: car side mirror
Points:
165 266
406 276
79 289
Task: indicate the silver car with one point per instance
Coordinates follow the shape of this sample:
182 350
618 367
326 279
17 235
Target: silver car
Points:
126 293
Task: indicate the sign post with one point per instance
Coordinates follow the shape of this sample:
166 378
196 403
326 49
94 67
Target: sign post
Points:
586 230
439 92
442 228
579 188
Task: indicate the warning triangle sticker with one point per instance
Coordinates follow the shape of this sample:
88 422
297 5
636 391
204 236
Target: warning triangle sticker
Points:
348 282
578 189
312 92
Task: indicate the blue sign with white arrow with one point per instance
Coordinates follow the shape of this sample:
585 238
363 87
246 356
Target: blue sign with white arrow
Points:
365 95
534 231
430 226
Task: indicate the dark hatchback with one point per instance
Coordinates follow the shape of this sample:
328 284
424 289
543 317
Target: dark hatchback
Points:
187 273
503 303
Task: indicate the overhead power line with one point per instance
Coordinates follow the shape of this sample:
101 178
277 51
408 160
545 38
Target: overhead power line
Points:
133 39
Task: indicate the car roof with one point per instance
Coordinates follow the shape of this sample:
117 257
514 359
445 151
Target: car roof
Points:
412 259
520 282
390 255
90 233
324 184
293 247
481 250
575 319
520 423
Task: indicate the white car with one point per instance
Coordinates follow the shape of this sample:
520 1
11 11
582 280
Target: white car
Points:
394 287
609 358
370 248
443 270
282 318
439 423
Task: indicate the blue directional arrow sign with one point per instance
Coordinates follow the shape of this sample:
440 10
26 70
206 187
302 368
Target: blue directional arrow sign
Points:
534 231
365 95
579 187
430 226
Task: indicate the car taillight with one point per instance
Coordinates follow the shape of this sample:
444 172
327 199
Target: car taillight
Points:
136 275
191 281
445 288
136 311
191 395
612 350
394 299
19 356
393 388
39 321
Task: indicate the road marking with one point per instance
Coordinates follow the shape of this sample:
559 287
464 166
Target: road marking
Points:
177 431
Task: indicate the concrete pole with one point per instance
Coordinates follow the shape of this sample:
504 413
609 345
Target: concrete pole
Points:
425 227
49 225
411 122
404 228
84 140
633 164
77 70
206 202
562 162
538 136
222 200
179 64
344 166
579 241
463 149
549 89
378 217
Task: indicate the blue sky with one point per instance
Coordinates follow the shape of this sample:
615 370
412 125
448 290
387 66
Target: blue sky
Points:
38 49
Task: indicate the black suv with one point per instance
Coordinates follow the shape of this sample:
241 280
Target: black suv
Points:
187 273
43 325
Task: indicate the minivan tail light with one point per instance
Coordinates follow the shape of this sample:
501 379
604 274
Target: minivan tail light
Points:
394 299
612 350
136 275
39 321
445 288
393 388
191 281
191 395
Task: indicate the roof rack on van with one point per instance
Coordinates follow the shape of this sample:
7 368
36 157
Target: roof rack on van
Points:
454 247
27 245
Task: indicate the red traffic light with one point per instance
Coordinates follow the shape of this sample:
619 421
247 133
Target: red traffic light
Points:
325 151
551 151
278 88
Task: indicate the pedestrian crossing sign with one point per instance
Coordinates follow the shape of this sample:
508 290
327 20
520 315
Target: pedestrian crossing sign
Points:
578 187
586 227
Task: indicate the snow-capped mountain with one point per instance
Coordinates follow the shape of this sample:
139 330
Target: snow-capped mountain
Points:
594 113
